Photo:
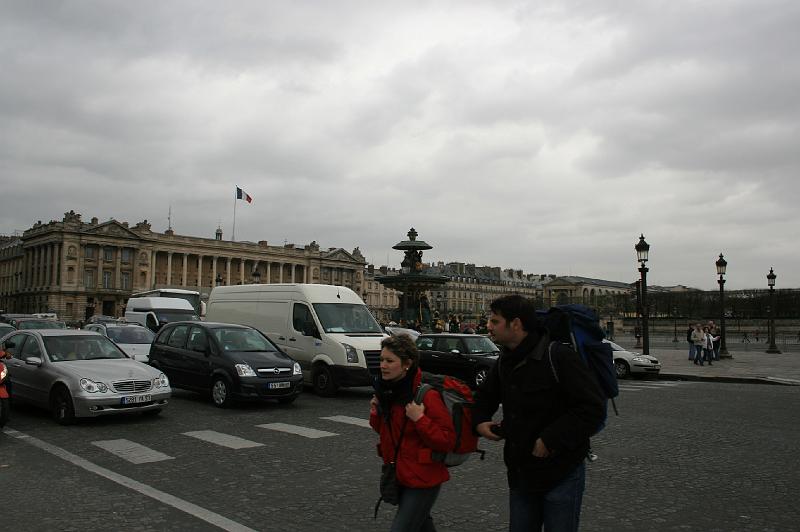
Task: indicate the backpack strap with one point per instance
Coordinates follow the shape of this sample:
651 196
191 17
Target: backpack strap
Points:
552 366
421 391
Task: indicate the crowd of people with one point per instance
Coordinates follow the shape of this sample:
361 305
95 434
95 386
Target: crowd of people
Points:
704 343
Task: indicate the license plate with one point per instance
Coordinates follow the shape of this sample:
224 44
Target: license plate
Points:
133 399
277 385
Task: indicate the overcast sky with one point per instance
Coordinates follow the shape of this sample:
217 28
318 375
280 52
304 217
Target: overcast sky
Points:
542 136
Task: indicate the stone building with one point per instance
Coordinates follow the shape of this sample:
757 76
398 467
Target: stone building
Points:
79 269
380 299
583 290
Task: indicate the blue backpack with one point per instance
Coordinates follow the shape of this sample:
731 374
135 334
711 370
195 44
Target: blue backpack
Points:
579 327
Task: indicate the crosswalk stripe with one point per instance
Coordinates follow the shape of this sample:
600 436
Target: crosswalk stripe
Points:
225 440
296 429
349 420
131 451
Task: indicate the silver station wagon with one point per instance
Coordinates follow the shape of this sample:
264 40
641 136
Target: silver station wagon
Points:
80 374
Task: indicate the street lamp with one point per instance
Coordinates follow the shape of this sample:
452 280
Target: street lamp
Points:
722 265
675 325
256 275
642 251
771 282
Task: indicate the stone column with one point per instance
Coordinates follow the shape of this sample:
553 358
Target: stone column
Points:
118 269
58 265
292 266
214 270
169 268
199 271
280 279
241 271
228 272
185 262
269 271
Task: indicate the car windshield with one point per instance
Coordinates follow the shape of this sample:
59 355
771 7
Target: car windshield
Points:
242 340
480 344
130 335
67 348
346 318
168 316
614 346
42 324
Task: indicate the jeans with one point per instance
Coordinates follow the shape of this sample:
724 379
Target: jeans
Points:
414 510
698 354
559 509
691 351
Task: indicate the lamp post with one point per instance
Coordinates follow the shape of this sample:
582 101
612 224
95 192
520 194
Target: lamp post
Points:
675 325
637 329
771 282
722 265
642 251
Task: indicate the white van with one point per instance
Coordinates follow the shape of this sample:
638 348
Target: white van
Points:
154 312
326 328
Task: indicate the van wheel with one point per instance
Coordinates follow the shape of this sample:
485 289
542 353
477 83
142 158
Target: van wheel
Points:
61 407
622 369
323 382
221 392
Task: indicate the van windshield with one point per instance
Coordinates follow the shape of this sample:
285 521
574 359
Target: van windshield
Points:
168 316
346 318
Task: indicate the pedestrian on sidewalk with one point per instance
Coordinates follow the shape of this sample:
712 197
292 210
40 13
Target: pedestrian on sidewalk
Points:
409 433
689 332
699 341
708 348
546 422
712 328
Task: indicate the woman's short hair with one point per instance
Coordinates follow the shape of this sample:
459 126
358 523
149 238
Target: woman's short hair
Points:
403 347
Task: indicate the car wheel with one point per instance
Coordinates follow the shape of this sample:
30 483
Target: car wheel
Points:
323 381
61 407
4 411
221 392
480 376
287 400
622 368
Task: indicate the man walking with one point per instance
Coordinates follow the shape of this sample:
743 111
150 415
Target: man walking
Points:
547 420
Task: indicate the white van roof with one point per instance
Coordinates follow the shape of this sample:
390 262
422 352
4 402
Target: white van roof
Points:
314 293
150 303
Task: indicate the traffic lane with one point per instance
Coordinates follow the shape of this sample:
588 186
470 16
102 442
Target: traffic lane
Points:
44 492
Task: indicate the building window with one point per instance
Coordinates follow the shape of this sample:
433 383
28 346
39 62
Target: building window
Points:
90 252
108 253
125 280
88 278
70 308
107 279
127 255
70 274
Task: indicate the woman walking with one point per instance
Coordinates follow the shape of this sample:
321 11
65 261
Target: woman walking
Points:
699 341
410 433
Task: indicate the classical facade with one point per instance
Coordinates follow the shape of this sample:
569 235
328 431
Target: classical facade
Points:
79 269
380 299
583 290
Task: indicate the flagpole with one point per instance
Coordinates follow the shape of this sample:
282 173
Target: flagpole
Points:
233 233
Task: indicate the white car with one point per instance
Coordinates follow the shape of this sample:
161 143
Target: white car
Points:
627 363
132 338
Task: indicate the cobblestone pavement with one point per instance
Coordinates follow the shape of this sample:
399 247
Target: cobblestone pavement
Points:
680 456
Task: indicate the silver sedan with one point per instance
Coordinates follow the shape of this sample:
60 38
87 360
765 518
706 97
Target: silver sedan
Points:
80 374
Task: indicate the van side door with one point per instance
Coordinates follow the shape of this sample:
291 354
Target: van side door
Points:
303 335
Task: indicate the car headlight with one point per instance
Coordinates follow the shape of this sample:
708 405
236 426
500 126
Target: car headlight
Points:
161 381
297 370
244 370
350 352
641 359
93 387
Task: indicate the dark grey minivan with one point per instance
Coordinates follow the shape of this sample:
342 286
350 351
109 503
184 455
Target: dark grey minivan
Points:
232 362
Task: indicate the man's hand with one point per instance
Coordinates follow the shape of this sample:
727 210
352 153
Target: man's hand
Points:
485 430
540 450
415 411
373 405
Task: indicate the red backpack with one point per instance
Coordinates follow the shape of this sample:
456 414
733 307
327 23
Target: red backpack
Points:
458 400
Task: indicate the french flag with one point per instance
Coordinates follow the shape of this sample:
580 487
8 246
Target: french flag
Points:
241 194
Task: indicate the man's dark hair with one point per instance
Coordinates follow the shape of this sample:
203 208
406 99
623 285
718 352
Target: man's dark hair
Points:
516 306
403 347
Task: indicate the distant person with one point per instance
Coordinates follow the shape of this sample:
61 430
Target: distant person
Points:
712 328
689 332
409 433
699 341
755 336
708 348
454 325
745 338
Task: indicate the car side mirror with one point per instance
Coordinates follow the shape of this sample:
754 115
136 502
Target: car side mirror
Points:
33 361
455 351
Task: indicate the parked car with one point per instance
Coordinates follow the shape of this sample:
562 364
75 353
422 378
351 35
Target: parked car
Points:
132 338
466 356
80 374
37 323
6 328
628 363
229 361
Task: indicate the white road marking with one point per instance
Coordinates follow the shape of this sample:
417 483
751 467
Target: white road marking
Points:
349 420
132 451
148 491
225 440
295 429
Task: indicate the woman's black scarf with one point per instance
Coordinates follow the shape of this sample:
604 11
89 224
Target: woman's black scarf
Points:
395 392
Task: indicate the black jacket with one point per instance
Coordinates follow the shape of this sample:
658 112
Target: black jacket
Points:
563 413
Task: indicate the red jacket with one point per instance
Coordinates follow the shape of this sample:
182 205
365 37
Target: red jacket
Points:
434 431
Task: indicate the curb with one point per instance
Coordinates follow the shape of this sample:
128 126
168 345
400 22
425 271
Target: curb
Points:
739 380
